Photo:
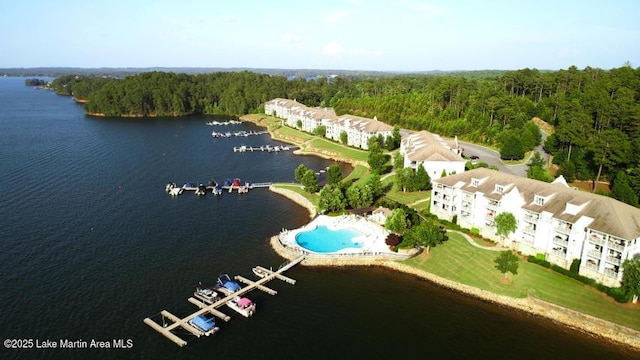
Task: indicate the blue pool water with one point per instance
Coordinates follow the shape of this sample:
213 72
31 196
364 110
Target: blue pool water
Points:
324 240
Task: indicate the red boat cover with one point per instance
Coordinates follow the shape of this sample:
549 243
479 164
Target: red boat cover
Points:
244 302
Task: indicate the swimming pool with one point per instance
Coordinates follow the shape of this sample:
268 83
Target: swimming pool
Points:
324 240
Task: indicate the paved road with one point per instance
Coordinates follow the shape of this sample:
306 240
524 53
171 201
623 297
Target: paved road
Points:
492 157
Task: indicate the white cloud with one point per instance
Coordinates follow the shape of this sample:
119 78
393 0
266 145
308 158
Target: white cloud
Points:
333 49
335 17
289 38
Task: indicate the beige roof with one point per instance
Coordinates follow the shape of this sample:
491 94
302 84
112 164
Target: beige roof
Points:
610 215
364 124
317 113
425 146
285 103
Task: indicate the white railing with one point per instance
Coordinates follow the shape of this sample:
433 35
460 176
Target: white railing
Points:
613 260
591 266
560 241
614 246
594 254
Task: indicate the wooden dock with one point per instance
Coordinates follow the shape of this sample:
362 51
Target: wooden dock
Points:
183 323
267 148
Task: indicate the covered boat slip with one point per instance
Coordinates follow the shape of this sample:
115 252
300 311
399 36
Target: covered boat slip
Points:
185 323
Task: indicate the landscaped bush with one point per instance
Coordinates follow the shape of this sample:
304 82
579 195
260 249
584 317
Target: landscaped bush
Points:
475 231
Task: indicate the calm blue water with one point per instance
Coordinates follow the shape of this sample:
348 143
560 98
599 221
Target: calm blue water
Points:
91 245
324 240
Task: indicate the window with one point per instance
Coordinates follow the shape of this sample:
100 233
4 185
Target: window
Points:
499 189
475 182
538 200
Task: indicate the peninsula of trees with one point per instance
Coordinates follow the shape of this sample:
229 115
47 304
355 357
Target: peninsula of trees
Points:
595 112
35 82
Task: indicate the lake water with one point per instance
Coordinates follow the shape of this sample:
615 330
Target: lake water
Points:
91 245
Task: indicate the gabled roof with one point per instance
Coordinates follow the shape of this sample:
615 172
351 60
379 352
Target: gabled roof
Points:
364 124
425 146
610 215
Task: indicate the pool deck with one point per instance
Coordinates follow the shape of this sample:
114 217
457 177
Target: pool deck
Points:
373 247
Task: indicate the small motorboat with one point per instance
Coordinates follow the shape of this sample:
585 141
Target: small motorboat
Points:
260 272
204 324
226 285
206 295
242 306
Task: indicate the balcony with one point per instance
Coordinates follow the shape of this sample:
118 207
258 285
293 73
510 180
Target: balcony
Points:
529 231
467 197
465 213
493 205
615 246
613 260
611 273
561 253
490 215
466 204
528 238
591 265
563 228
596 238
533 218
594 254
562 241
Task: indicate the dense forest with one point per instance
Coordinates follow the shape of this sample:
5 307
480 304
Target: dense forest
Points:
596 112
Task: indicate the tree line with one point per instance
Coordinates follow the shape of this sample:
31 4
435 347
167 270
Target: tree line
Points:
596 112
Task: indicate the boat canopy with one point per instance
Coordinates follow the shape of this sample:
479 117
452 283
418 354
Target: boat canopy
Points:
231 285
244 303
203 323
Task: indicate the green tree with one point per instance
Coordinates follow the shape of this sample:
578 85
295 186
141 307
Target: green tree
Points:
397 222
422 181
505 224
334 175
538 169
331 198
300 171
427 233
610 149
507 262
398 161
511 147
375 185
359 196
404 179
631 278
377 158
299 124
344 137
310 181
320 130
621 190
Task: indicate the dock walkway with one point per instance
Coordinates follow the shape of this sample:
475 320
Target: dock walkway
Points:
168 329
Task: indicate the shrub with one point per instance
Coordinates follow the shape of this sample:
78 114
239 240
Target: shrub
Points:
575 266
475 231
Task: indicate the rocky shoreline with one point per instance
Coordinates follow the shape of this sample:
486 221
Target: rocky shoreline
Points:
593 326
296 198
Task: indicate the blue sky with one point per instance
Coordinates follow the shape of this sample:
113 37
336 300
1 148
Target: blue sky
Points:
394 35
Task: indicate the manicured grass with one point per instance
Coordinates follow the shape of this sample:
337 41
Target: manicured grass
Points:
459 261
408 197
290 132
359 172
344 151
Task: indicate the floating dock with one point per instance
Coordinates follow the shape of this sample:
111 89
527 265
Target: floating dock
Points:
229 134
267 148
201 190
169 330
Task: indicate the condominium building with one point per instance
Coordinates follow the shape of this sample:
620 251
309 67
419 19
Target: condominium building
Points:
431 152
552 219
358 129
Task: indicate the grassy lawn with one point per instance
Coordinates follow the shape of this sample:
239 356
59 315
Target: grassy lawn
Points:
408 197
290 132
298 189
359 172
344 151
459 261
